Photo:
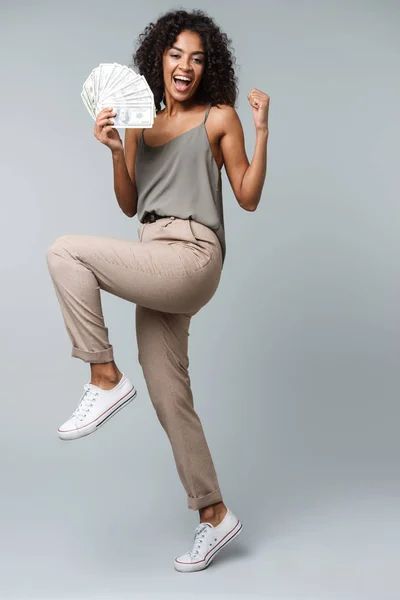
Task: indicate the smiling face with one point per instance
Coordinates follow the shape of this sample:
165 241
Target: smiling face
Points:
183 66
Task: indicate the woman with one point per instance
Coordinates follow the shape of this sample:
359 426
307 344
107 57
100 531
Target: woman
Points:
170 177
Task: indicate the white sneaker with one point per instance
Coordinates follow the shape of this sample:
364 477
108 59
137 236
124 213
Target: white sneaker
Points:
208 541
95 407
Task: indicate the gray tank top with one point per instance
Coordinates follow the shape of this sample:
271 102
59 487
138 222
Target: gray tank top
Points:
181 179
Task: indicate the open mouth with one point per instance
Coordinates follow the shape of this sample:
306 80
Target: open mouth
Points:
182 83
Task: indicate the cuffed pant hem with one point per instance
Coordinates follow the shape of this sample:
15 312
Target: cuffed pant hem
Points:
197 503
101 356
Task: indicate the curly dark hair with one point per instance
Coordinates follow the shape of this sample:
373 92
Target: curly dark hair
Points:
218 84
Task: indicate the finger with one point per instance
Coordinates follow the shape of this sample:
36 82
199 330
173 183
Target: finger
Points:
260 102
255 93
102 118
254 98
105 122
100 126
105 111
254 102
258 94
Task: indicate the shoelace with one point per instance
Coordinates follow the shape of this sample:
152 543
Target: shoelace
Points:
199 536
85 403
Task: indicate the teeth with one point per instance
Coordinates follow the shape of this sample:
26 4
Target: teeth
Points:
182 78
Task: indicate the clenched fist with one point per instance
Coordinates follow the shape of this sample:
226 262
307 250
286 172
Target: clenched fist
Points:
259 103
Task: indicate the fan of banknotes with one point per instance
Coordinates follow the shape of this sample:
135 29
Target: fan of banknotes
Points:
111 85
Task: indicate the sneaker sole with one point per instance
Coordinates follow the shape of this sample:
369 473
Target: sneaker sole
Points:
201 566
94 426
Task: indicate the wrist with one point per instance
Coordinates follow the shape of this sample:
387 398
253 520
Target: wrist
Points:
118 154
262 132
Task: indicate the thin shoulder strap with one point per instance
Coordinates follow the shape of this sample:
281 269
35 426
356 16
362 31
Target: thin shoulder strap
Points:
141 138
207 111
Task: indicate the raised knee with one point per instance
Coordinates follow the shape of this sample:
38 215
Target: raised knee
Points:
57 248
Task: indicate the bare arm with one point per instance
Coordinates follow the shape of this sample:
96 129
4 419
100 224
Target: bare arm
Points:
247 179
124 174
123 160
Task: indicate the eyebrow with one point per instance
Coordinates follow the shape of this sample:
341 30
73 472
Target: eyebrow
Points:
180 50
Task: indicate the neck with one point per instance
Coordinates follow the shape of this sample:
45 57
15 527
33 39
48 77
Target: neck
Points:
175 107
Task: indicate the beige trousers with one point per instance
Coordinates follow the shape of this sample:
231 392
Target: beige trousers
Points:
170 274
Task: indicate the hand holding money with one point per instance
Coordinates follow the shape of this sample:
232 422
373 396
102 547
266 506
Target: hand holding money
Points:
105 132
122 89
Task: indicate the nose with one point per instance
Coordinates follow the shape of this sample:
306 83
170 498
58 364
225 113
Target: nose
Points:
185 63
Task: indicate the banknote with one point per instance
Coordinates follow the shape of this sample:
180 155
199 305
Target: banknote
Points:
133 117
111 85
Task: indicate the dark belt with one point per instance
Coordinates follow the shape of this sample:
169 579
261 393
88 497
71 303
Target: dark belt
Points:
152 217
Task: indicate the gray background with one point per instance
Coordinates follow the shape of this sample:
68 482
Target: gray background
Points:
294 363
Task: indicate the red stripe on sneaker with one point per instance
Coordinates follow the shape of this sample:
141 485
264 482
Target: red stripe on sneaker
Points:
97 418
204 559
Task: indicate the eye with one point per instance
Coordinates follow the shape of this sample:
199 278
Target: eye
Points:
174 55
